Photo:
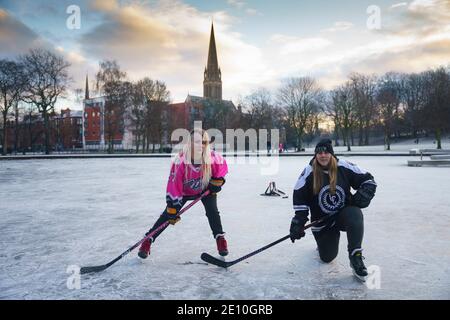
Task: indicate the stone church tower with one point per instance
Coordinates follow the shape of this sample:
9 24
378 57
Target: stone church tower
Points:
212 83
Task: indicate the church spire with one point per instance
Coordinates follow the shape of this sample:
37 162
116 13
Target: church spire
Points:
86 91
213 64
212 83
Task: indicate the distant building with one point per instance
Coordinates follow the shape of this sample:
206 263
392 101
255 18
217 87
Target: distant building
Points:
93 123
69 130
98 125
65 132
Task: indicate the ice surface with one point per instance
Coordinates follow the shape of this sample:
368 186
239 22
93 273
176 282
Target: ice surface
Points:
86 212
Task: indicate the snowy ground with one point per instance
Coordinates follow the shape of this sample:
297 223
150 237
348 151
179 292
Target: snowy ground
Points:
85 212
403 146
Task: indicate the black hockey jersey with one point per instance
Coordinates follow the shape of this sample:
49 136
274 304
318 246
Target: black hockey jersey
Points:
349 175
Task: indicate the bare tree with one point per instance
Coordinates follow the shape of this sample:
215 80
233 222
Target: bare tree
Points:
18 113
149 117
47 75
12 86
412 90
110 82
30 131
300 98
364 88
344 106
437 107
332 112
136 114
263 114
388 99
159 107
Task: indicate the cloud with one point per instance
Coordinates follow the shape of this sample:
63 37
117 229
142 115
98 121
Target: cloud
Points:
15 37
421 17
253 12
416 40
294 45
340 26
105 5
236 3
169 41
399 5
241 5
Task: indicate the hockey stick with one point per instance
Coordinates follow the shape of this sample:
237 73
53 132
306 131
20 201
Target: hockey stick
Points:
280 193
273 191
84 270
225 264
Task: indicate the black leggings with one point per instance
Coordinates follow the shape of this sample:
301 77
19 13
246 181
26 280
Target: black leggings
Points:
212 213
349 219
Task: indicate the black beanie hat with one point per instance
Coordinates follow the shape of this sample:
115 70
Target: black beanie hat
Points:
324 145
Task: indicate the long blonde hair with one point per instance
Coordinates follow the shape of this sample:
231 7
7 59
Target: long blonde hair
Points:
317 175
206 155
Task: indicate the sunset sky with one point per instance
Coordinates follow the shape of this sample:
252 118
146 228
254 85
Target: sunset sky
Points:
259 43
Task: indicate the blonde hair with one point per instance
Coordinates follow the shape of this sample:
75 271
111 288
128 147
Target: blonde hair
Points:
206 155
317 175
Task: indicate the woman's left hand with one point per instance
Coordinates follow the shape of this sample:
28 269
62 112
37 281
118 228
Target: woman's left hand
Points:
215 184
364 195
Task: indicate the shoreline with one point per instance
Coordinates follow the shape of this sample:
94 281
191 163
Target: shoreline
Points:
168 155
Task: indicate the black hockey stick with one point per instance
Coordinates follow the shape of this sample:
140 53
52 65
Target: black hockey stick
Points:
225 264
84 270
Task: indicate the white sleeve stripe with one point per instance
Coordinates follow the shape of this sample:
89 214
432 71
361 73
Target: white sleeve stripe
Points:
370 182
302 179
352 167
316 229
301 207
172 197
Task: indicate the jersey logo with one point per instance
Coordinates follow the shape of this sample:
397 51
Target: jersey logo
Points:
330 203
194 184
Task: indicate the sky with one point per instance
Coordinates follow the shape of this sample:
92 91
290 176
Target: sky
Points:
259 43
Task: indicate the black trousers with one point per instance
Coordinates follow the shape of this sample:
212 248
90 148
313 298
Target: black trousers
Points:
350 219
212 213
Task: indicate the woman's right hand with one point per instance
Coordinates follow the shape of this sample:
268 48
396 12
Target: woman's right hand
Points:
172 215
297 230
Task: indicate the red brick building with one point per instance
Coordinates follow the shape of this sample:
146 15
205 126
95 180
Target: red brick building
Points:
65 132
69 130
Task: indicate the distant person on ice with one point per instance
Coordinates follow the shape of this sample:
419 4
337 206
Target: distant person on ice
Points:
195 169
324 189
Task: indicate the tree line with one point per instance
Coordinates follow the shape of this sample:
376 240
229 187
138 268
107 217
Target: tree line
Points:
391 105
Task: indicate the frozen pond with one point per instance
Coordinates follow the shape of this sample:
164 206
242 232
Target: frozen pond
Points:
86 212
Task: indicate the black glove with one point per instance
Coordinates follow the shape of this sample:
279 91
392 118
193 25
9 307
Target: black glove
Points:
171 214
298 225
215 184
364 195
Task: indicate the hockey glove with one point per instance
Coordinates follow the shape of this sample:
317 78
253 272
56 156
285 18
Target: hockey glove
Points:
364 195
172 215
297 225
215 184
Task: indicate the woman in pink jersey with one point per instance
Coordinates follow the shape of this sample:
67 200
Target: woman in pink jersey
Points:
194 170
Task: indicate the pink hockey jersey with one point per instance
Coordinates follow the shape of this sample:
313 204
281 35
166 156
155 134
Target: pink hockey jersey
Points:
186 179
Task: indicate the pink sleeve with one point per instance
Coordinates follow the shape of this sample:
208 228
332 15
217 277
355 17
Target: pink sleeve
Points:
174 192
219 167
